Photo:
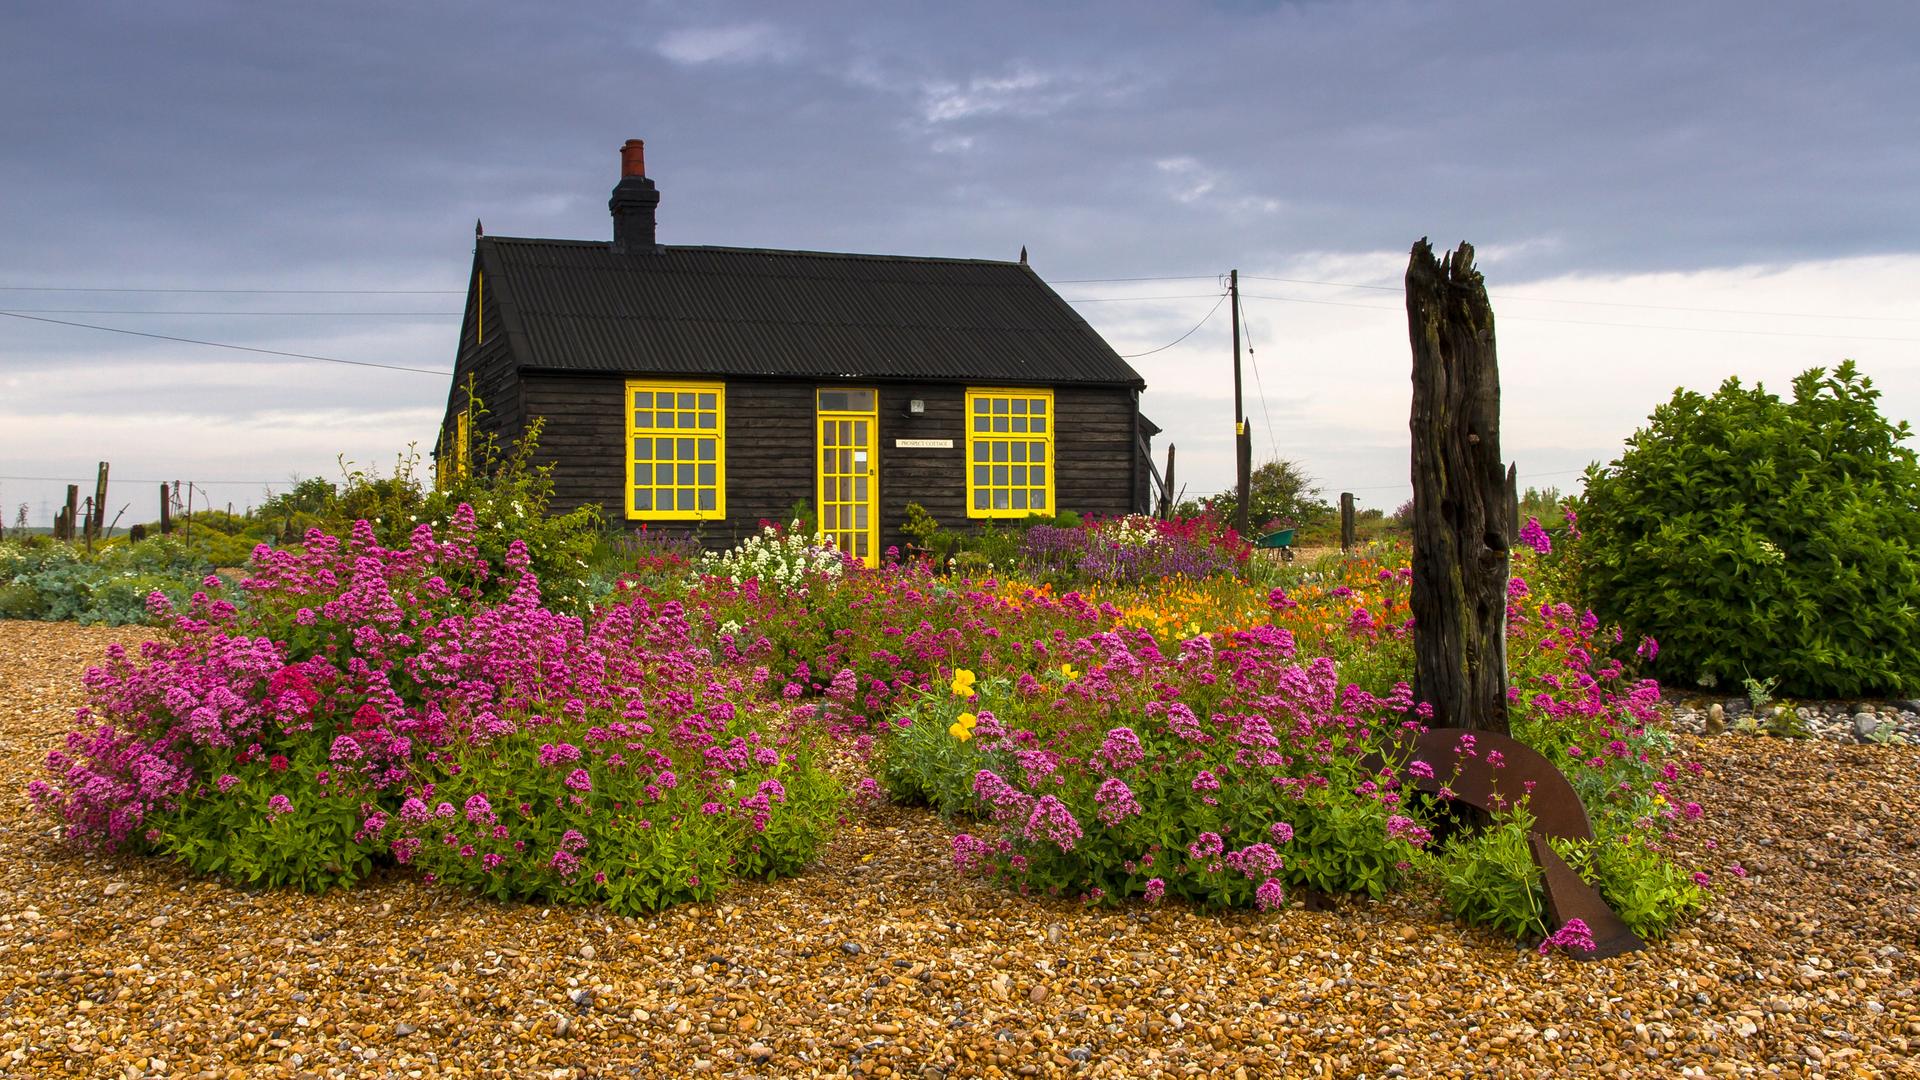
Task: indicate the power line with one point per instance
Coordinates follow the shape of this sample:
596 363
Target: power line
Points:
1103 280
1594 322
1182 337
239 292
150 311
224 345
130 480
1259 386
1607 303
1123 299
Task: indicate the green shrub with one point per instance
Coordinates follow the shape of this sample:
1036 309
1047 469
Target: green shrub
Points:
1753 536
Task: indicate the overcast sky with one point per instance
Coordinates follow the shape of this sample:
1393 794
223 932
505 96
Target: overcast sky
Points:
1661 194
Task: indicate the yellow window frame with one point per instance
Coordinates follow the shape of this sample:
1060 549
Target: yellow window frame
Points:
698 411
462 444
996 449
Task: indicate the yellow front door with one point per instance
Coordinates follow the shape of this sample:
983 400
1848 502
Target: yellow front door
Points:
848 487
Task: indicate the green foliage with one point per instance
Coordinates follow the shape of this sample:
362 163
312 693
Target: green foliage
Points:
1747 533
1650 892
923 763
1489 878
920 526
236 834
53 582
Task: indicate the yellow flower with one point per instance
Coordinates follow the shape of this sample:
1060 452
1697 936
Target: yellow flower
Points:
960 731
962 684
1069 672
967 720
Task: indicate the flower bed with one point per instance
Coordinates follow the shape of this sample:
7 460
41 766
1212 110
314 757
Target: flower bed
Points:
1196 738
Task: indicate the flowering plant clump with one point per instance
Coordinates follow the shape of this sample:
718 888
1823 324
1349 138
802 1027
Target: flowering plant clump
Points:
367 705
1134 549
783 559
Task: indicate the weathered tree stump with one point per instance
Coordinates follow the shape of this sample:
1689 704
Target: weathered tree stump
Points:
1462 524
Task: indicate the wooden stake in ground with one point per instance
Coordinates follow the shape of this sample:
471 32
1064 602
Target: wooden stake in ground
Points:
1461 520
1346 521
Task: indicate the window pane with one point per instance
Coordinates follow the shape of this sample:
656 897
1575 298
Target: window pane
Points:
981 423
1000 406
1039 406
860 517
684 476
663 449
642 498
860 488
980 476
708 401
860 400
642 449
1000 500
707 478
1037 451
707 447
1037 475
1020 424
708 500
980 499
686 499
662 498
1019 498
979 405
1020 407
1039 425
999 424
706 420
686 402
684 448
663 419
833 401
1000 474
830 516
642 399
980 451
1039 500
1020 475
663 474
1000 451
643 419
1020 451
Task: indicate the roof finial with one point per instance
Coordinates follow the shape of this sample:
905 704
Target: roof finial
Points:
1023 254
478 232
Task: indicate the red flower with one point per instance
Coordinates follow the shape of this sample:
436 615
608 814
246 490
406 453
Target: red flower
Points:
278 763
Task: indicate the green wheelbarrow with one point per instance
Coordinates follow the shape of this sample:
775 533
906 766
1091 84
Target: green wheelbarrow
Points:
1281 541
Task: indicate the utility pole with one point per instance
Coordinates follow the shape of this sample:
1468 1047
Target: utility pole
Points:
1241 458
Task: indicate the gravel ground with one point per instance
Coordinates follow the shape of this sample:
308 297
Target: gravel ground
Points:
881 962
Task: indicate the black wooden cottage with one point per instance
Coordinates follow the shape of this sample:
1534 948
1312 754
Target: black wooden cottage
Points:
711 388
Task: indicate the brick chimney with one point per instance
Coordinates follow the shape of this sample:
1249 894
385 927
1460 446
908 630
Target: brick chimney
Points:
633 203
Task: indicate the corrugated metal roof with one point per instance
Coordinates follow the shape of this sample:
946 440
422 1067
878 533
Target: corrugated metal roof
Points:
583 306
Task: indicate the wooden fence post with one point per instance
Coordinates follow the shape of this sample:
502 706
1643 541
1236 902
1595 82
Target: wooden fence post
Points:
73 511
99 505
166 510
1346 521
1166 493
1461 518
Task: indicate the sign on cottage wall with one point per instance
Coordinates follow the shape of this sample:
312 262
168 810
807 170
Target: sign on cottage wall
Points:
923 444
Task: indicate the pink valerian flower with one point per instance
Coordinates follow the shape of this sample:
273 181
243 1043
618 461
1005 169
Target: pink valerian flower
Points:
491 861
279 804
1701 879
1649 648
479 810
1006 800
1255 861
560 754
415 811
1282 832
1271 894
1205 781
1536 537
579 780
970 851
1156 889
226 782
565 863
1574 937
1420 769
571 840
1205 846
1405 828
1121 750
1051 820
1115 801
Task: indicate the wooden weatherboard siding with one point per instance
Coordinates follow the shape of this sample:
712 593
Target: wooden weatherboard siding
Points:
771 447
485 354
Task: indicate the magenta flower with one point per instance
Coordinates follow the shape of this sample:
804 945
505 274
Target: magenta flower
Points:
279 804
1156 888
1115 801
1271 894
578 780
1051 820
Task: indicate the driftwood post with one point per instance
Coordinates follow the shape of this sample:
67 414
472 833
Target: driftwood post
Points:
1462 520
73 511
1346 521
1166 493
166 510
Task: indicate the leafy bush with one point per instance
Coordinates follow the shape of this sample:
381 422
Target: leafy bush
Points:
1753 536
57 582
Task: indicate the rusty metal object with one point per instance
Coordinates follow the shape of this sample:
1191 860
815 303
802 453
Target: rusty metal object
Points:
1465 772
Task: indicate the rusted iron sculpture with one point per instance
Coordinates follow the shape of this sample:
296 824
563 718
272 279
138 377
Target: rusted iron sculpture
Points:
1492 772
